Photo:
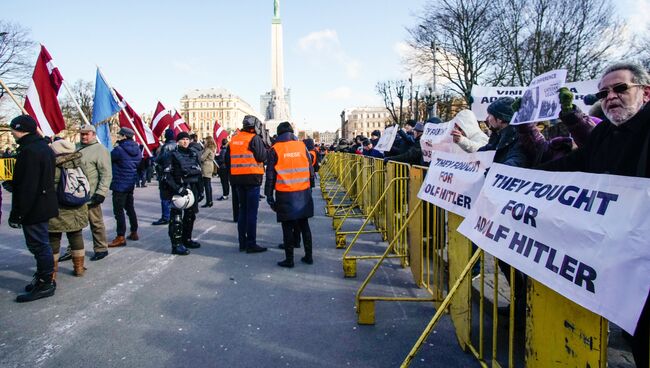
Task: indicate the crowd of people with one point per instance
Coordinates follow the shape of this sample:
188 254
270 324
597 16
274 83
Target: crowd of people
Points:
59 187
613 138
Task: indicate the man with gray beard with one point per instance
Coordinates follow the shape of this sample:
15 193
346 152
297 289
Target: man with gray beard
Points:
619 146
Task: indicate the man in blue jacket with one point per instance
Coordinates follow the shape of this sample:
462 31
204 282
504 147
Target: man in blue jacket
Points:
125 158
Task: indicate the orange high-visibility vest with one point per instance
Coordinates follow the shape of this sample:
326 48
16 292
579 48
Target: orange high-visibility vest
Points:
314 155
292 167
242 161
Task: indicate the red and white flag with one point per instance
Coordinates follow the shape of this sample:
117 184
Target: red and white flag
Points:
179 124
161 121
143 134
219 133
41 102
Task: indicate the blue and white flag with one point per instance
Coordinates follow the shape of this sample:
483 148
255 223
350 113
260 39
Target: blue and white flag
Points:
104 106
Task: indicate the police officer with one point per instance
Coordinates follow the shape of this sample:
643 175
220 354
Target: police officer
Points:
245 157
183 175
290 175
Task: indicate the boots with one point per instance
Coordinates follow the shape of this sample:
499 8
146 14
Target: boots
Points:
119 241
43 288
133 236
29 287
288 255
180 250
78 264
189 243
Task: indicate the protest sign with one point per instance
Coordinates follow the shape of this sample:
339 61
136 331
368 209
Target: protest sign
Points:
583 235
540 100
387 138
484 96
454 180
437 137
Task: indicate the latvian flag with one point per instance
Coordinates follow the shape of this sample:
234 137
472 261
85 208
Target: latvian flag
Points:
179 124
219 133
130 119
41 102
161 120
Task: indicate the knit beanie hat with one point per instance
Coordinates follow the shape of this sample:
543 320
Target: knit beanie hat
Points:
284 127
169 134
62 146
502 109
182 135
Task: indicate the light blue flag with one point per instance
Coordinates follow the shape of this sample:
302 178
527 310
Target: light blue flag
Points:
104 106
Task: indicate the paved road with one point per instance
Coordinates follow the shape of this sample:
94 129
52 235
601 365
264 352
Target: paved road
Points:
143 307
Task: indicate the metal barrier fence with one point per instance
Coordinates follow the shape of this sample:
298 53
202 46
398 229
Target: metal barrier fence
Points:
7 168
534 326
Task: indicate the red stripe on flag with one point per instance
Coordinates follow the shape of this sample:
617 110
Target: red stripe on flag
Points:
41 101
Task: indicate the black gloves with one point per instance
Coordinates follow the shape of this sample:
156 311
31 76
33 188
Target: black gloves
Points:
8 185
271 202
14 221
97 199
182 191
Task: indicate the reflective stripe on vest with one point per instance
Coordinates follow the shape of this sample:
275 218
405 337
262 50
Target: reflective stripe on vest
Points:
313 157
242 161
292 168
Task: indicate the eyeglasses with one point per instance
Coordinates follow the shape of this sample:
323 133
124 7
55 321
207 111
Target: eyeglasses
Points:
617 88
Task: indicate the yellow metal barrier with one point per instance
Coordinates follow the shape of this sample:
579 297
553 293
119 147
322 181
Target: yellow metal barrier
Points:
396 211
7 168
555 331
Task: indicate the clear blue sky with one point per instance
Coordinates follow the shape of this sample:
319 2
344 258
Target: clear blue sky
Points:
335 51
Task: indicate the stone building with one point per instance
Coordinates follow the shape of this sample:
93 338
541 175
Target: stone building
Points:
363 120
201 107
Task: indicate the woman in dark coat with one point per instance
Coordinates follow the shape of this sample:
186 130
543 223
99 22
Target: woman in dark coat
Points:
293 208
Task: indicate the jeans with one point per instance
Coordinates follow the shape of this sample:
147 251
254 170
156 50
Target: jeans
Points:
38 242
166 205
208 189
235 203
249 202
124 201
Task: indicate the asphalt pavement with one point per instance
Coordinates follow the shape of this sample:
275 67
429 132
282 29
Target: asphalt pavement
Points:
143 307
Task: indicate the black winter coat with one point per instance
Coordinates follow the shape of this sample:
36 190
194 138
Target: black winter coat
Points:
288 205
34 197
183 170
125 158
509 151
413 156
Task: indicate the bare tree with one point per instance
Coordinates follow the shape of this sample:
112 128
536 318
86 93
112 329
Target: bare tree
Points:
642 49
454 35
16 62
83 92
15 56
540 35
392 93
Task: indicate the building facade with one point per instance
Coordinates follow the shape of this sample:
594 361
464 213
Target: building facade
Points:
328 137
201 107
363 120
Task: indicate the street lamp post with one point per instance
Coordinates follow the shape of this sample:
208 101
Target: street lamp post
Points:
434 89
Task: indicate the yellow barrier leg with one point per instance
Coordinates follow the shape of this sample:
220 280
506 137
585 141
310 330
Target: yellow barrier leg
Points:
340 241
350 267
366 312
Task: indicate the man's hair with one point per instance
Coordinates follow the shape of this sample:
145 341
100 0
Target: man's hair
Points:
639 74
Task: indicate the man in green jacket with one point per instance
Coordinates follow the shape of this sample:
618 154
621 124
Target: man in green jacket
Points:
96 164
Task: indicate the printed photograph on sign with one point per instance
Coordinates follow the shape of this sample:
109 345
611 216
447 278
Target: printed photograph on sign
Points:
541 100
387 138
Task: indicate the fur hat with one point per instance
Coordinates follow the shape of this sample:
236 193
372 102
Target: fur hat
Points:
62 146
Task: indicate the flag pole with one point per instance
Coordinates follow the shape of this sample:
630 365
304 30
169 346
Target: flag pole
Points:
123 107
22 108
65 84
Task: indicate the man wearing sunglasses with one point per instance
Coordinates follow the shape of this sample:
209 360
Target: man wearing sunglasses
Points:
620 146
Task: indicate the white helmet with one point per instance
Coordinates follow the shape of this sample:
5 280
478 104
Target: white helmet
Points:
183 202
